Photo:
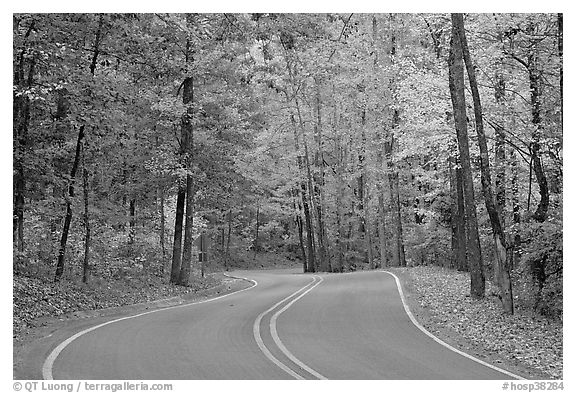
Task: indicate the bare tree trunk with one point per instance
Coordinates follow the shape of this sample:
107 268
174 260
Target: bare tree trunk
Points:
319 187
298 219
535 77
162 227
305 205
461 222
457 217
365 228
79 143
301 241
309 206
132 221
227 254
177 244
68 216
500 181
255 242
366 220
515 206
503 268
398 255
188 98
456 82
21 118
502 265
188 145
382 236
186 266
340 249
86 264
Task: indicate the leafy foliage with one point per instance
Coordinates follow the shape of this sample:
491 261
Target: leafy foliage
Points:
322 139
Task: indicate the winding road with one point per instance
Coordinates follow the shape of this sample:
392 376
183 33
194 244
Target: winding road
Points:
287 325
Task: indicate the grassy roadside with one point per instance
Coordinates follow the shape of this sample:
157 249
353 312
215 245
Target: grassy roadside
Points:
524 344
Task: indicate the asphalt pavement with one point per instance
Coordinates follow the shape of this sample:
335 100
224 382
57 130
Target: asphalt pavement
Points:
288 325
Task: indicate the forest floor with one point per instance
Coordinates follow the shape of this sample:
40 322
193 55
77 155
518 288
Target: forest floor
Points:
440 301
38 304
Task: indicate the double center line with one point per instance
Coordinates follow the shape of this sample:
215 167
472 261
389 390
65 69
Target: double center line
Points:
274 333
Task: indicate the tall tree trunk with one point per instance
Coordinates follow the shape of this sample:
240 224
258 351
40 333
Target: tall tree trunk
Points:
304 168
227 253
298 220
313 265
86 263
535 77
503 268
308 210
500 180
457 217
382 233
19 176
162 227
177 244
500 155
21 120
182 254
188 98
97 41
79 143
363 198
461 222
456 83
319 187
68 216
382 236
515 206
186 266
131 221
255 242
398 255
305 204
340 188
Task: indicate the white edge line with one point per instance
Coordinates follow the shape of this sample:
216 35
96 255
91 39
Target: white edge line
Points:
260 342
433 337
49 362
279 342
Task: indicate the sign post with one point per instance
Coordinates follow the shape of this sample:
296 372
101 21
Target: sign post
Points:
202 243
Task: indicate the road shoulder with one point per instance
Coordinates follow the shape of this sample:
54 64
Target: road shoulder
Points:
437 325
30 352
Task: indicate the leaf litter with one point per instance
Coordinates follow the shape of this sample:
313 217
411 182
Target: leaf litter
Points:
526 338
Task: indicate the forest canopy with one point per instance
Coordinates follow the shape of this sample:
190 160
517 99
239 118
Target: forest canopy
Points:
175 144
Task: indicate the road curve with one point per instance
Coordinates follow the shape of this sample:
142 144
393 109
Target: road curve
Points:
290 325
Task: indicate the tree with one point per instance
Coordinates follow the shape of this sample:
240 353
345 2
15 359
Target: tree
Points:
502 251
456 81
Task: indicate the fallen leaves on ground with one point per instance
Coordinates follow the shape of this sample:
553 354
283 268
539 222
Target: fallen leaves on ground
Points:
445 294
34 298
